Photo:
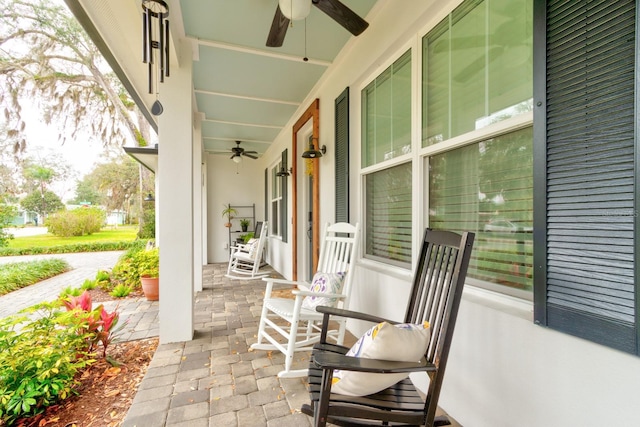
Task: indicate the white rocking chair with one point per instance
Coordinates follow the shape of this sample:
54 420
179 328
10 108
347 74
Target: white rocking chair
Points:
289 325
245 260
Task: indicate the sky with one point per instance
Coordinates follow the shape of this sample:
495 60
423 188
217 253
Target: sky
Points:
81 153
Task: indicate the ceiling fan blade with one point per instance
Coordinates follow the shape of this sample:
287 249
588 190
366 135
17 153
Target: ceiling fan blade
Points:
278 29
342 15
233 156
251 156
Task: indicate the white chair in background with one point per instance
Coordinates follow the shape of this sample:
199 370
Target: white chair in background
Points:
245 260
292 324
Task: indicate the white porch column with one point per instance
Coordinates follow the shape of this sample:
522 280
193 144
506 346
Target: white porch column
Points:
197 203
175 213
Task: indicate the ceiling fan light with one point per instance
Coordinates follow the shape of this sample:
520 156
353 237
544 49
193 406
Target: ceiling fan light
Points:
295 9
237 159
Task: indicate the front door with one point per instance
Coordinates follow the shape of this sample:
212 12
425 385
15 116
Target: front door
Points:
306 196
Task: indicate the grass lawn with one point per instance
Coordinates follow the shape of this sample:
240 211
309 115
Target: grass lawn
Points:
123 233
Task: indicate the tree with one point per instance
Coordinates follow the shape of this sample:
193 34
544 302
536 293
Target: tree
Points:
46 56
86 192
7 213
117 181
42 203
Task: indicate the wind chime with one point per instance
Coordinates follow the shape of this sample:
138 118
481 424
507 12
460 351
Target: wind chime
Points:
155 36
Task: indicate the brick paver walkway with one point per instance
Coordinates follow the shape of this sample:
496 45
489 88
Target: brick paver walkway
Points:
140 315
214 380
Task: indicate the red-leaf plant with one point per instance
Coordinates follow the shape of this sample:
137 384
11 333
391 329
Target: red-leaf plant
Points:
100 325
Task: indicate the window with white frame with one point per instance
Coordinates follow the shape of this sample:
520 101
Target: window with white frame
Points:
477 74
275 202
386 137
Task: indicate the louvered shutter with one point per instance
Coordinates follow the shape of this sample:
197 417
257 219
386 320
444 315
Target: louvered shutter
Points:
342 156
588 215
285 199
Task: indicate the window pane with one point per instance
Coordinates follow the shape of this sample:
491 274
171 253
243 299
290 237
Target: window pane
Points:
386 113
488 188
388 214
477 68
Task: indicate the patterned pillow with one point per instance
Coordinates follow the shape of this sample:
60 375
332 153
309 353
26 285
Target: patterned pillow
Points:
252 248
326 283
403 343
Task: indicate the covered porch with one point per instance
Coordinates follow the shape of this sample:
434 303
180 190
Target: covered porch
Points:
215 379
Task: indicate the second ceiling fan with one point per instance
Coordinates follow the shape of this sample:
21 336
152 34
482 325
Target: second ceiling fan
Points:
239 152
299 9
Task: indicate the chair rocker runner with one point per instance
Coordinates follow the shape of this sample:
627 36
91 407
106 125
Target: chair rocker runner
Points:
392 398
245 260
292 324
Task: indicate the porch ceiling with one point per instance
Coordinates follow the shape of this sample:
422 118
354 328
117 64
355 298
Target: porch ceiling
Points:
243 90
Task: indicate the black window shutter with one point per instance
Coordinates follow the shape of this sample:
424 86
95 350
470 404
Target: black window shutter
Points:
266 194
284 211
585 180
342 156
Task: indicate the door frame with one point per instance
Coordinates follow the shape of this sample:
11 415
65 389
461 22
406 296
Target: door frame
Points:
311 113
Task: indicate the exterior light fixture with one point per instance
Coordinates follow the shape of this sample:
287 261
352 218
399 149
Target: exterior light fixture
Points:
312 153
284 172
149 198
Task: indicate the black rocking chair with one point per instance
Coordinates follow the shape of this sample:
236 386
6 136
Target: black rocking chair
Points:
435 297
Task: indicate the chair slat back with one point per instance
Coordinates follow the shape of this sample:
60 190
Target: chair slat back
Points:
338 251
258 231
437 285
264 233
435 296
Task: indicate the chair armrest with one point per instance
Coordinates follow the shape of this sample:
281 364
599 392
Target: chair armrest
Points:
331 311
347 363
317 294
283 281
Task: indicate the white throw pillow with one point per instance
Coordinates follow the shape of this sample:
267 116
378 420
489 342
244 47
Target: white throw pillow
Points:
326 283
253 248
402 343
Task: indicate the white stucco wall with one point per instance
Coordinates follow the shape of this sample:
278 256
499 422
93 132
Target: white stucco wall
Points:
503 369
229 182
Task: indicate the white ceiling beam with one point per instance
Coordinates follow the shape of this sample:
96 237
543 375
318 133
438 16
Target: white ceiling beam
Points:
250 98
226 122
253 51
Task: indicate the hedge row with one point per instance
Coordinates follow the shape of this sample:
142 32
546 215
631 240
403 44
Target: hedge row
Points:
80 247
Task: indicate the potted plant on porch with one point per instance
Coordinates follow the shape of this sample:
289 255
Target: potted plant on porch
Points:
229 212
244 225
148 262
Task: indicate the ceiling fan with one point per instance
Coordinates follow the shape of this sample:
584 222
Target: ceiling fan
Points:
299 9
239 152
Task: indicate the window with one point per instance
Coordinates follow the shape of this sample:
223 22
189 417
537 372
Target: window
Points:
276 201
388 214
386 135
477 72
487 187
477 68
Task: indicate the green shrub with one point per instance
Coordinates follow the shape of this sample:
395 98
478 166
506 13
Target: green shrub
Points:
17 275
121 291
80 247
88 284
77 222
148 262
126 269
103 280
38 364
70 292
148 230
